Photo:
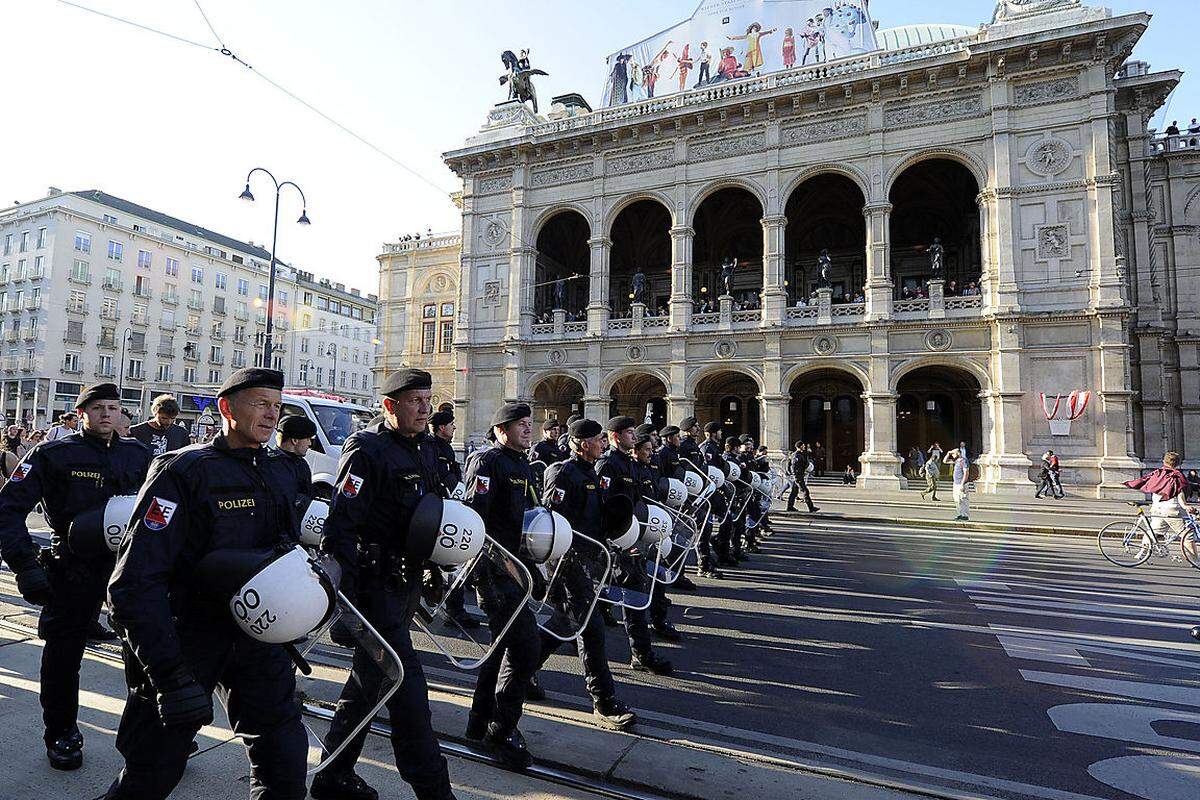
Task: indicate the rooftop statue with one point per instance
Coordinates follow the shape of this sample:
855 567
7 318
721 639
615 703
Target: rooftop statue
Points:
519 77
1010 9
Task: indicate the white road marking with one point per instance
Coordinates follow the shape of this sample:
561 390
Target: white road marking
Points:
1133 690
1125 722
1033 649
1152 777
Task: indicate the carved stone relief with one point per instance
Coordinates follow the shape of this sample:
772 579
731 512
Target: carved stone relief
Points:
726 348
581 170
1049 157
723 147
938 341
825 345
896 116
1046 91
825 130
1053 243
495 183
640 162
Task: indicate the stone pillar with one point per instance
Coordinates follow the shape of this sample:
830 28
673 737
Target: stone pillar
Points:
681 277
598 308
987 248
879 261
1004 464
937 299
774 295
824 306
775 419
639 314
520 293
560 319
1189 387
597 408
679 407
1115 406
880 463
726 312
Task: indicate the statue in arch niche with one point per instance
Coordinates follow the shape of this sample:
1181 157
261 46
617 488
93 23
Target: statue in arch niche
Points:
639 289
728 267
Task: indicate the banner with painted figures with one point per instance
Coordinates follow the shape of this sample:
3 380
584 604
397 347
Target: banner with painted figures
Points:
725 40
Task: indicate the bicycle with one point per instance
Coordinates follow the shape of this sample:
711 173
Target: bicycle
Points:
1132 543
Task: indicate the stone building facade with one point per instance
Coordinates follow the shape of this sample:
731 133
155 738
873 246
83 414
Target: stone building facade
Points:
927 239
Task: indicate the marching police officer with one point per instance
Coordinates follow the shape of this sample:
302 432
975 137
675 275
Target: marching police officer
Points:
732 453
499 488
619 475
296 433
231 493
689 450
76 473
667 455
750 462
384 472
572 490
647 474
547 450
710 452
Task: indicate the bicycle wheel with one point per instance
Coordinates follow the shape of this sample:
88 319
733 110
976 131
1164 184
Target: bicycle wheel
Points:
1125 543
1190 541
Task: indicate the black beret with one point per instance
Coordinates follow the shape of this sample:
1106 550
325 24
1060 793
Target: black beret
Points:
642 439
100 391
404 379
297 426
511 412
251 378
574 418
551 424
670 430
618 424
687 423
441 418
584 428
644 428
712 427
730 440
746 439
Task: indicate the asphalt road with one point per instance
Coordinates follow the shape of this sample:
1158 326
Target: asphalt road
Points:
1013 666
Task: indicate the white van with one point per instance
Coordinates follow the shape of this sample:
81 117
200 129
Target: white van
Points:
335 419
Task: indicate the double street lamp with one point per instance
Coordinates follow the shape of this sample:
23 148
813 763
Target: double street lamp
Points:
249 197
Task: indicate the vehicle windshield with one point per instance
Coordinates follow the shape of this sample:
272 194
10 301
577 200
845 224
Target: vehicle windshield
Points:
339 422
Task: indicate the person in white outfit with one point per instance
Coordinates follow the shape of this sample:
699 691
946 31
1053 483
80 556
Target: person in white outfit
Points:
962 469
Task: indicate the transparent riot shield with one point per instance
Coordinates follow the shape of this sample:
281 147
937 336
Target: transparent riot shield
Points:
573 585
635 567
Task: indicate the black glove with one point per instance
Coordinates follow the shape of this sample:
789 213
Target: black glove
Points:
182 702
433 585
32 582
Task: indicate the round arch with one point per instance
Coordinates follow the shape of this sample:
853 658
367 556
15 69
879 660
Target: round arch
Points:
562 263
708 190
641 394
535 380
612 378
624 202
827 411
938 403
557 394
845 170
976 370
451 283
965 159
858 371
707 371
1192 197
731 396
547 214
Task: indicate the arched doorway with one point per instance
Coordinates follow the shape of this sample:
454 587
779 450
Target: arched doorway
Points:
557 396
641 241
939 405
826 213
642 397
731 398
827 409
935 199
563 264
728 224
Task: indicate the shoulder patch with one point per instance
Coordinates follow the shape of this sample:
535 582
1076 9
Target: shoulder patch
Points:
352 485
605 482
158 515
482 484
560 495
21 471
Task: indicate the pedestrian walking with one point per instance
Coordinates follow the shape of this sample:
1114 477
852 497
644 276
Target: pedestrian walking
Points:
818 459
798 464
962 471
936 453
1049 478
68 423
931 472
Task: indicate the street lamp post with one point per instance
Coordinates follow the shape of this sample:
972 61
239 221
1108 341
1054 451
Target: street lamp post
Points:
333 351
121 377
247 196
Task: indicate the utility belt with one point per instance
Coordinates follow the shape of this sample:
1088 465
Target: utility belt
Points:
385 565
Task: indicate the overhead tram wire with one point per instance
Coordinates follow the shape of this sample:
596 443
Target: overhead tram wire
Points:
225 51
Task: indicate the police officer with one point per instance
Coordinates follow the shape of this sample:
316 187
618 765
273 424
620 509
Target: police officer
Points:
647 474
667 455
499 487
737 527
798 467
572 490
750 462
76 473
689 449
619 475
296 433
710 452
384 472
230 493
449 471
547 450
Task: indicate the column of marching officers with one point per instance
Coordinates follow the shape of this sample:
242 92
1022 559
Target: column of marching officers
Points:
238 492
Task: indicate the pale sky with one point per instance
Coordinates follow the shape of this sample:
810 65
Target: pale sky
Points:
95 104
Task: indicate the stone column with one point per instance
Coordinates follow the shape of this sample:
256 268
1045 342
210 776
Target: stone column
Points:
824 306
774 296
638 314
775 418
937 299
597 408
679 407
520 292
1115 406
560 319
1004 464
681 277
1189 388
987 248
598 308
880 463
726 312
879 261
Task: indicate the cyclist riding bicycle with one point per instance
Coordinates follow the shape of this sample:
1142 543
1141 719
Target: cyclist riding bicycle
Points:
1167 486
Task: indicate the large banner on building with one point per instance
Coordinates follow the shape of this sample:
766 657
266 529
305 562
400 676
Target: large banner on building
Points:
725 40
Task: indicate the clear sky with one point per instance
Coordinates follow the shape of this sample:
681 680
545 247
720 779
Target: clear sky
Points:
91 103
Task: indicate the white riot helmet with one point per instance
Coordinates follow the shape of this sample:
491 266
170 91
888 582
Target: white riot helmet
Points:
664 549
99 532
716 477
674 493
276 596
444 532
755 481
655 521
460 492
735 471
313 524
545 535
693 482
619 522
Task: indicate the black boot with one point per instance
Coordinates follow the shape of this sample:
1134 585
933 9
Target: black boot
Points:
1196 632
99 633
684 584
477 726
65 752
708 571
330 785
607 615
613 714
648 662
509 749
534 690
666 630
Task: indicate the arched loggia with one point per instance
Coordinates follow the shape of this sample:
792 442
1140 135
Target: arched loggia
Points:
825 213
563 264
728 225
641 242
935 201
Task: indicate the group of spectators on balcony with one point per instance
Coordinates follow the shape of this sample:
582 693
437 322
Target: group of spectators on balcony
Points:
660 310
750 301
1193 128
952 290
547 317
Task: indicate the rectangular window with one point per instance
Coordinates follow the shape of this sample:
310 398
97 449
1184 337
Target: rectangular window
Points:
110 219
353 380
308 298
214 376
239 310
320 375
447 336
136 367
79 271
215 354
335 307
239 333
170 293
78 301
8 243
283 298
143 259
239 359
304 372
429 311
31 330
21 272
41 239
193 324
243 287
140 313
322 304
112 278
172 266
447 309
189 374
39 267
137 341
219 305
197 275
304 344
24 241
218 330
104 366
164 373
108 308
70 362
221 279
343 382
195 299
168 318
428 332
116 251
262 293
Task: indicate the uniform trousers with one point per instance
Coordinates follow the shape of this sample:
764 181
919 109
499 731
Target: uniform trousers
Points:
573 598
504 676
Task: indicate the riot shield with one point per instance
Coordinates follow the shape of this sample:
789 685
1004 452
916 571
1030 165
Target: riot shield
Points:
573 577
635 570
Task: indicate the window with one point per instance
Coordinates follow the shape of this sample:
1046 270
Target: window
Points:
74 331
193 324
335 307
258 361
78 301
143 259
8 243
141 313
116 251
428 332
447 339
356 312
322 304
70 362
277 363
308 298
41 240
262 293
136 367
21 272
283 298
218 330
239 359
243 287
214 376
170 293
239 333
304 372
195 299
141 286
239 310
343 383
221 280
110 219
172 266
112 278
164 373
108 308
24 241
320 375
215 354
304 344
104 366
31 330
197 274
108 337
429 311
353 380
306 322
447 309
189 374
219 304
79 271
39 267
